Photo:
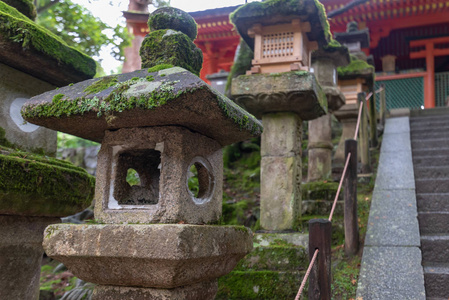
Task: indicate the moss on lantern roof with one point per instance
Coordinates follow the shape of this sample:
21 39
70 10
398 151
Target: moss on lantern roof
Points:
16 28
26 7
170 96
173 18
34 185
268 12
355 68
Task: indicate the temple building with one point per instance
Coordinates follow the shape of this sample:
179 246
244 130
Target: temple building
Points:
409 43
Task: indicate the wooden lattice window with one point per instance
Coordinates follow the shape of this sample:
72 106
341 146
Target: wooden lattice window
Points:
277 45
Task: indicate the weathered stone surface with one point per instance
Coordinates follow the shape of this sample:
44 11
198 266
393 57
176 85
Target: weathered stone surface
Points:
391 273
157 255
297 92
282 134
164 178
320 149
395 171
14 93
171 96
33 185
294 238
203 290
21 255
347 115
32 49
280 197
276 12
173 18
397 125
335 98
393 219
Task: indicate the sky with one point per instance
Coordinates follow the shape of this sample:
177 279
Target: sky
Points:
112 15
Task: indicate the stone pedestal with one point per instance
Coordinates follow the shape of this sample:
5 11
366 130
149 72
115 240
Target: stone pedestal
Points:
280 198
347 115
320 148
21 255
282 101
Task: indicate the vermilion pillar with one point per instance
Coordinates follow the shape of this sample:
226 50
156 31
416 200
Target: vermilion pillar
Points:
429 82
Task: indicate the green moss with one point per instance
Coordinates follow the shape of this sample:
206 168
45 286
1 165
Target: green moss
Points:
173 18
258 285
3 140
171 47
356 67
159 67
320 190
102 84
26 7
42 186
17 28
57 98
241 64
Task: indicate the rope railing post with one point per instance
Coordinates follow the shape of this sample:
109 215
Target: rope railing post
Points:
364 136
320 233
373 120
383 104
350 200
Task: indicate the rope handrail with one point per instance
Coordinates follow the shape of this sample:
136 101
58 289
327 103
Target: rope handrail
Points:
334 204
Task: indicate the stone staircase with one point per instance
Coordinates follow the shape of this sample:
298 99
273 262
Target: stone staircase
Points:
429 132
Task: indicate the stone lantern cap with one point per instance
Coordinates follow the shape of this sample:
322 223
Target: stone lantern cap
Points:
39 186
273 12
356 36
147 97
33 49
297 92
357 69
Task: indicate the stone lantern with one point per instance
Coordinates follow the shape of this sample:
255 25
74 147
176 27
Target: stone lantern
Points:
155 238
354 78
282 35
325 62
35 189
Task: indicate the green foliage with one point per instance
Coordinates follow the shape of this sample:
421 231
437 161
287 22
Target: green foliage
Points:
70 141
132 177
80 29
193 182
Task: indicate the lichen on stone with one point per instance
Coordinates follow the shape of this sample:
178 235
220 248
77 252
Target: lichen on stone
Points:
102 84
175 49
17 28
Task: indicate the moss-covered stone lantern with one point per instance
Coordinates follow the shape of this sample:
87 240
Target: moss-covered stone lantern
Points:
325 62
282 100
35 189
159 178
356 77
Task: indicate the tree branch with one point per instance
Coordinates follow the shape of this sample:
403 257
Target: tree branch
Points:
345 8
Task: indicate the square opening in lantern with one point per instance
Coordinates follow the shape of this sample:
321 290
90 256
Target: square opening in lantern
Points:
137 177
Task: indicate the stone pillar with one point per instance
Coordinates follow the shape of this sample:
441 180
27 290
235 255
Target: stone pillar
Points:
21 255
347 115
280 198
320 148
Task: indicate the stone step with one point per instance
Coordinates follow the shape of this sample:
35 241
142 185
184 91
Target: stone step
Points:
431 172
430 161
435 248
433 134
429 119
429 144
418 130
433 185
280 257
430 151
261 285
428 202
428 124
433 222
436 278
